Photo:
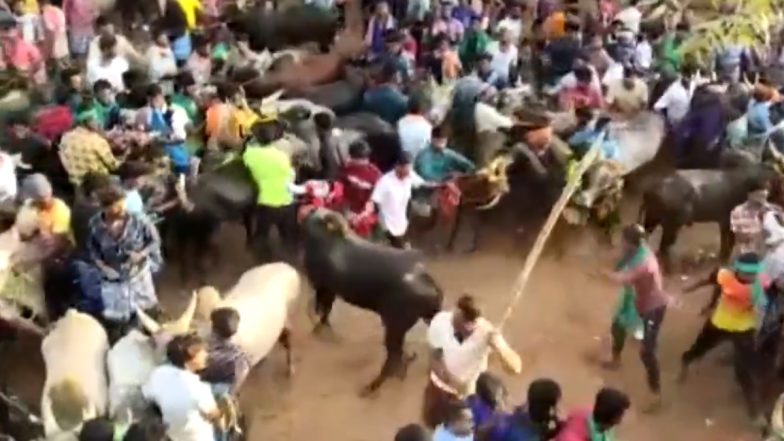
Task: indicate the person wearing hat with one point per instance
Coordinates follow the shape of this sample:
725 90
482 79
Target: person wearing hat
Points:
392 195
736 319
83 149
642 301
274 176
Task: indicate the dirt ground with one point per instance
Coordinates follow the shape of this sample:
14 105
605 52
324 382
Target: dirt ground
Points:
560 328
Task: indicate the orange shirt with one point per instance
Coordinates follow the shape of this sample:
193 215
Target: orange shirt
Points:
555 25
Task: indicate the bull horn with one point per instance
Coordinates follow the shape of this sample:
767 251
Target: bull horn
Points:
493 202
147 322
183 324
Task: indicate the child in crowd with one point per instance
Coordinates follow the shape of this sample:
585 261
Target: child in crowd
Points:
227 365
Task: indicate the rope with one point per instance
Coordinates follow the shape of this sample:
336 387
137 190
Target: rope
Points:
533 257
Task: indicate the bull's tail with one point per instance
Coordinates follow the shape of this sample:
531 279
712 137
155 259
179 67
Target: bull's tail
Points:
68 403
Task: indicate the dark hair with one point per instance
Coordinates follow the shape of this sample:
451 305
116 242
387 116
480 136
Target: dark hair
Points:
748 258
487 56
182 348
183 80
106 42
583 113
101 85
68 73
225 322
467 306
359 149
227 90
633 234
387 72
583 74
438 132
415 104
97 429
609 407
488 387
102 21
572 26
153 90
146 430
543 395
412 432
404 159
133 170
93 181
110 195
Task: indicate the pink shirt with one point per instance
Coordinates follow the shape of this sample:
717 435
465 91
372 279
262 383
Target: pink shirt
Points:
25 57
580 96
646 279
576 427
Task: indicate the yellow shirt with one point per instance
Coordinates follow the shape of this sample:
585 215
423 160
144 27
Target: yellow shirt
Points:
53 220
31 7
190 9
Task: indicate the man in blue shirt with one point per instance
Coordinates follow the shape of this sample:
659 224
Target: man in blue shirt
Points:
438 163
384 99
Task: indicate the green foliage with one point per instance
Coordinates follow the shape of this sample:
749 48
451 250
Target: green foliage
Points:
717 24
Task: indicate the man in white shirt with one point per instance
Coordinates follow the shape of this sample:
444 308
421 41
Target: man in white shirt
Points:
414 129
186 403
513 24
675 101
631 17
8 184
504 55
460 343
643 53
123 46
109 65
392 195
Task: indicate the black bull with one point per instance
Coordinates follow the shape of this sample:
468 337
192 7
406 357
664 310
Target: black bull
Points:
390 282
685 197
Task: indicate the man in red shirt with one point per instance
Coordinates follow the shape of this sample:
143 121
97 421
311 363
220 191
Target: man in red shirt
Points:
358 177
641 278
582 94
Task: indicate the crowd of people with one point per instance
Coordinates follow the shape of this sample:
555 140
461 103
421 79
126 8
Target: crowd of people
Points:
95 162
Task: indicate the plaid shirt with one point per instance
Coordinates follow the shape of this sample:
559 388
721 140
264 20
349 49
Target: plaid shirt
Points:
746 223
227 363
83 151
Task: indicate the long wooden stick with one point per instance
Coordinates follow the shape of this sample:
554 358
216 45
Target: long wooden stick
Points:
533 257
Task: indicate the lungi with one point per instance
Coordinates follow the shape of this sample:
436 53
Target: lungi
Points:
437 404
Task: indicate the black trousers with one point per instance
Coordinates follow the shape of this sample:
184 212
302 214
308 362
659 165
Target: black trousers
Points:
743 358
284 219
399 242
652 322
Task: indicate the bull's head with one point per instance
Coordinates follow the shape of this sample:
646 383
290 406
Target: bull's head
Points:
492 183
599 194
323 223
169 329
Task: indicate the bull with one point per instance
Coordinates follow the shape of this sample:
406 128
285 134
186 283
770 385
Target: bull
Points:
76 388
392 283
685 197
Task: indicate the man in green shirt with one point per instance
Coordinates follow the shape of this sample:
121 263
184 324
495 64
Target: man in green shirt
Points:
274 175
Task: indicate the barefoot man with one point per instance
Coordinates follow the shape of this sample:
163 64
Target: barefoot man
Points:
460 342
642 294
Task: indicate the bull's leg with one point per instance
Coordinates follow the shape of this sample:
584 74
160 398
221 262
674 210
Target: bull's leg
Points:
247 222
669 236
727 241
285 340
325 299
394 337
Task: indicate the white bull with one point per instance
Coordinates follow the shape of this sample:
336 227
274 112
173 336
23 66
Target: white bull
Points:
263 297
131 361
75 389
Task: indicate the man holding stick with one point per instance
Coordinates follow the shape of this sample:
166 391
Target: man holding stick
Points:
460 343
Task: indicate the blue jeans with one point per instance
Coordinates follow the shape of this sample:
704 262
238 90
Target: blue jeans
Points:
221 390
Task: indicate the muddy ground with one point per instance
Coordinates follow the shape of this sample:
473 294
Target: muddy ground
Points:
560 327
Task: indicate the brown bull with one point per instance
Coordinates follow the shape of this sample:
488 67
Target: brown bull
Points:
475 194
